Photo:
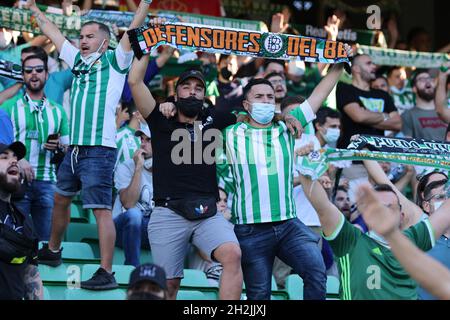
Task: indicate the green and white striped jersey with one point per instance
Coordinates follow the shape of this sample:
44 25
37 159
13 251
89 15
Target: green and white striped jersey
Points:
261 161
127 144
404 99
33 122
95 94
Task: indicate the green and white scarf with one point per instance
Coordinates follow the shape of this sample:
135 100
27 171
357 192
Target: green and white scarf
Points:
393 57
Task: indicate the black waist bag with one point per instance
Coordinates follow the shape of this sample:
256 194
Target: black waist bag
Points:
15 248
194 209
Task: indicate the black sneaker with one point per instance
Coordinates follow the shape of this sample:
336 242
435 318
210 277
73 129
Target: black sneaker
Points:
48 257
101 280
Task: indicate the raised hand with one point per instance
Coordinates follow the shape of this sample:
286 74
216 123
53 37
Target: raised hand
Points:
294 126
377 216
168 109
278 24
305 150
332 27
157 22
138 158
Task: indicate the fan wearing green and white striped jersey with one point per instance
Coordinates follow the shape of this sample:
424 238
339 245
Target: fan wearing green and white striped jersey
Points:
99 77
41 125
261 155
127 142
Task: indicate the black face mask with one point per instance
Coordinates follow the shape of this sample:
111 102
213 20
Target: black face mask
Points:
190 107
225 73
143 296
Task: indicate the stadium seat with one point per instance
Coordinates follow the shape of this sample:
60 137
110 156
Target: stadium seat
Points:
55 280
78 214
55 292
77 253
46 294
53 275
81 294
81 232
332 287
190 295
196 280
294 287
122 273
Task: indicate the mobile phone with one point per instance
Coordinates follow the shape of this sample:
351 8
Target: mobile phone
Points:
52 136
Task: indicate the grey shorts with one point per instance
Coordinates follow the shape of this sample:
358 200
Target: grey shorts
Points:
169 235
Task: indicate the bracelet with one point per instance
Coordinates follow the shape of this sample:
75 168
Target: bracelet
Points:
149 2
385 117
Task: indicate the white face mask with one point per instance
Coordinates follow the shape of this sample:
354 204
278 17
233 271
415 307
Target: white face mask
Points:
148 163
92 57
332 135
5 38
296 68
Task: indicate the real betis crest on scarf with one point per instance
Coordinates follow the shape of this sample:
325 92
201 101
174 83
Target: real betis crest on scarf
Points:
236 41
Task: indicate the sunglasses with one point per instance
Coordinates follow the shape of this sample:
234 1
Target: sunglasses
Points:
28 70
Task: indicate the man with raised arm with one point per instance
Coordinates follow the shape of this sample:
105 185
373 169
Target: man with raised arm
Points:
89 163
368 269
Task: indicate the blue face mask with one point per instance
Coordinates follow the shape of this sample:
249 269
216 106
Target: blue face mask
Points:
262 113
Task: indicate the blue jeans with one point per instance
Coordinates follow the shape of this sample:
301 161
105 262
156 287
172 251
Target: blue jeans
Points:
294 244
38 202
131 234
89 169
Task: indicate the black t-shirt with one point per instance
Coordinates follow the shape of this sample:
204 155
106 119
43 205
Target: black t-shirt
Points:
373 100
193 177
11 275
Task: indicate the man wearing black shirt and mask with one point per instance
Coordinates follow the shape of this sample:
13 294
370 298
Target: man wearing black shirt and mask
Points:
19 275
185 187
364 111
230 88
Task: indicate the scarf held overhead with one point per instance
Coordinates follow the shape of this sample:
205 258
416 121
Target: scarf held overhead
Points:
236 41
400 145
393 57
400 150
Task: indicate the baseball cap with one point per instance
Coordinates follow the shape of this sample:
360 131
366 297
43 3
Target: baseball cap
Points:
149 272
191 74
17 147
143 129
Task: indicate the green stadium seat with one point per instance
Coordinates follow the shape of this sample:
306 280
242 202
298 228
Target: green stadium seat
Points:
122 273
332 287
55 292
55 275
77 253
81 294
78 214
81 232
46 294
190 295
195 280
146 256
55 280
294 287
